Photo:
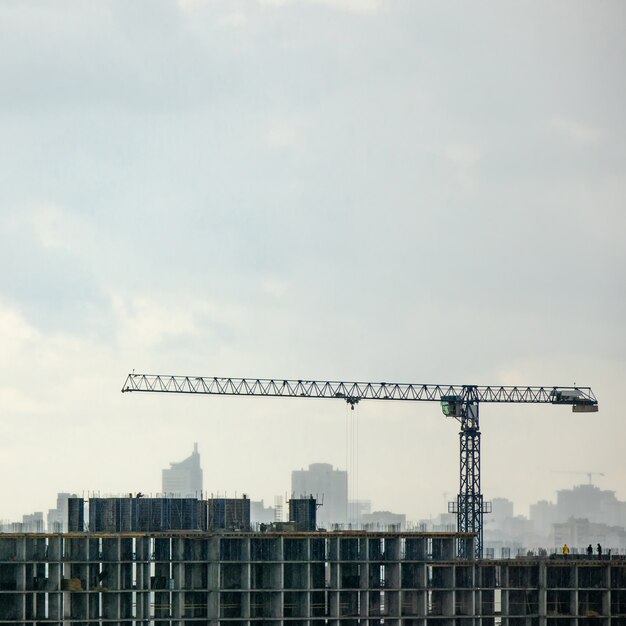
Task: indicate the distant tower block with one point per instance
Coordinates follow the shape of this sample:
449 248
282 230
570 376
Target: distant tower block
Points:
329 485
278 508
57 518
184 479
303 511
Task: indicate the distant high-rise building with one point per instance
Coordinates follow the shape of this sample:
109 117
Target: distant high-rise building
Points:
57 518
184 479
384 520
501 510
261 514
328 486
543 515
33 523
589 502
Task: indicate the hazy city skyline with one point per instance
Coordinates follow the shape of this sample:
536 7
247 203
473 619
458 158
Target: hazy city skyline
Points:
579 501
327 189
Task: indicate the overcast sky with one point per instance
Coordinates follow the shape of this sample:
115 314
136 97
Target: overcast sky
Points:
427 192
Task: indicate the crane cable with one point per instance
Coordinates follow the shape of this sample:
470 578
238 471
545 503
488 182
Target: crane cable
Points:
352 463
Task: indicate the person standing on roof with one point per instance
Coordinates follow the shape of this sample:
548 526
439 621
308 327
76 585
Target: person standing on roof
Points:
589 550
599 550
565 549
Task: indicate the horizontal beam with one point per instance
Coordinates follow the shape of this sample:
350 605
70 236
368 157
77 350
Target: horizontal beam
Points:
353 392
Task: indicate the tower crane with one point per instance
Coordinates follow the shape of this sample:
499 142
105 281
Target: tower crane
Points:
589 475
458 401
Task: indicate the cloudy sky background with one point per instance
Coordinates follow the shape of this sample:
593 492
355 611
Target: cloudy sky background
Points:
335 189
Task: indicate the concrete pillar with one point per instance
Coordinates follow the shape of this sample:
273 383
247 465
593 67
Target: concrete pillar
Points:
543 613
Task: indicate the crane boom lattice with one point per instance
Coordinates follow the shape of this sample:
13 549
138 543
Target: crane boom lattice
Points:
275 387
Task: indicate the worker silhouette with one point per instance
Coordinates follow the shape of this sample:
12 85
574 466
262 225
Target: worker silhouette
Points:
599 550
589 550
565 549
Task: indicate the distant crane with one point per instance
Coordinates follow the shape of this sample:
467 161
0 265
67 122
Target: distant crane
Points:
458 401
588 474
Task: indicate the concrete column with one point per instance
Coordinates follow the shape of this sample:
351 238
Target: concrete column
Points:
573 581
606 592
543 612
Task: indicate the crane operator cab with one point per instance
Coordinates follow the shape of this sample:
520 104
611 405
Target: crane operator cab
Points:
452 406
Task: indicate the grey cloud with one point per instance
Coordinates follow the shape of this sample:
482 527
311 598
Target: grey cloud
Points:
396 179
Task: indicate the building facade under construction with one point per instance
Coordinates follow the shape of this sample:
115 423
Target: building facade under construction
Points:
297 578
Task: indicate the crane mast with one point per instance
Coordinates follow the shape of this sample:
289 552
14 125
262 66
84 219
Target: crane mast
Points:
458 401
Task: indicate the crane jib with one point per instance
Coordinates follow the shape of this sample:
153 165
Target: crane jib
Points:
580 398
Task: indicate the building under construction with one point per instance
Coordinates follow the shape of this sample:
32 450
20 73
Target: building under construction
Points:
297 578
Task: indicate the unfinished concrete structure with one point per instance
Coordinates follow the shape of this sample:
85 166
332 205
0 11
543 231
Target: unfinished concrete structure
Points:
303 513
141 514
243 578
146 514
